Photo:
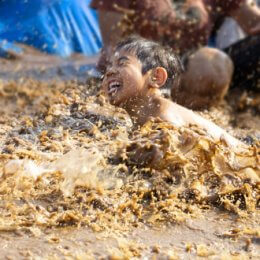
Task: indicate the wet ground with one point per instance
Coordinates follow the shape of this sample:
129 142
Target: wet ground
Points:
215 236
77 181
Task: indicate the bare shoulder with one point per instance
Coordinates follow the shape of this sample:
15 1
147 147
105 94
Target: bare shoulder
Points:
181 116
172 112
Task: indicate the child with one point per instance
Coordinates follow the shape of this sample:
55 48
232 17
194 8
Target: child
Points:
185 26
138 69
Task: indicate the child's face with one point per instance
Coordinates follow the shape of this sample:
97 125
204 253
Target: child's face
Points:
124 79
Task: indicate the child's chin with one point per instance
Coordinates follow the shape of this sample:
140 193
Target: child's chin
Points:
114 101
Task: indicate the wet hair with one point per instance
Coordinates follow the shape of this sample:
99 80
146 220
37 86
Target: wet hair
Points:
151 55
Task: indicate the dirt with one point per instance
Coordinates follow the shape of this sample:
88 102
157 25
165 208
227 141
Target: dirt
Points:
78 181
217 236
34 64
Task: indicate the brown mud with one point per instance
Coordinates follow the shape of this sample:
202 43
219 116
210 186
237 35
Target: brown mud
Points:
77 181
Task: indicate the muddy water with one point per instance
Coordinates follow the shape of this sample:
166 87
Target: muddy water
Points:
78 181
35 64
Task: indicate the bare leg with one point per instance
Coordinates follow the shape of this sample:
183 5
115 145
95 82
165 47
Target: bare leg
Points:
111 34
206 79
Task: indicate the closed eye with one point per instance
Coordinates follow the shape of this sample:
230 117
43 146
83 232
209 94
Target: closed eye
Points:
122 60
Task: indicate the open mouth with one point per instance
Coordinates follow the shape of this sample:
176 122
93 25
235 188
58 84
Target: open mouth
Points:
113 87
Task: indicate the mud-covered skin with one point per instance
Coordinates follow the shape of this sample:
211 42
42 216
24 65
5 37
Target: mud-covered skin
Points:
159 185
124 78
126 85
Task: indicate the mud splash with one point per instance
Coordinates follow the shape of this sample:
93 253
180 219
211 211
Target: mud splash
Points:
69 159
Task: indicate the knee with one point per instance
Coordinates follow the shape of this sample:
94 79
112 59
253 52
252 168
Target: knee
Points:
206 79
218 66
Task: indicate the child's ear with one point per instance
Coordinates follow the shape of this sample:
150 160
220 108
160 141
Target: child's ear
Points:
159 76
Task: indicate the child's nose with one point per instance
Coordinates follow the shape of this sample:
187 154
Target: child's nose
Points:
111 71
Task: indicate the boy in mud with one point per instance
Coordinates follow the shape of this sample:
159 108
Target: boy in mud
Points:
134 76
186 26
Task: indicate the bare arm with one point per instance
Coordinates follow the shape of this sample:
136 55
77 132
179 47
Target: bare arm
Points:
110 31
110 15
181 116
248 17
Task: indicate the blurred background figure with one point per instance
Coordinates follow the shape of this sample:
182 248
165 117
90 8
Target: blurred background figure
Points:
182 24
60 27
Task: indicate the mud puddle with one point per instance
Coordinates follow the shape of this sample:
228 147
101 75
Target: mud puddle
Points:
78 181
